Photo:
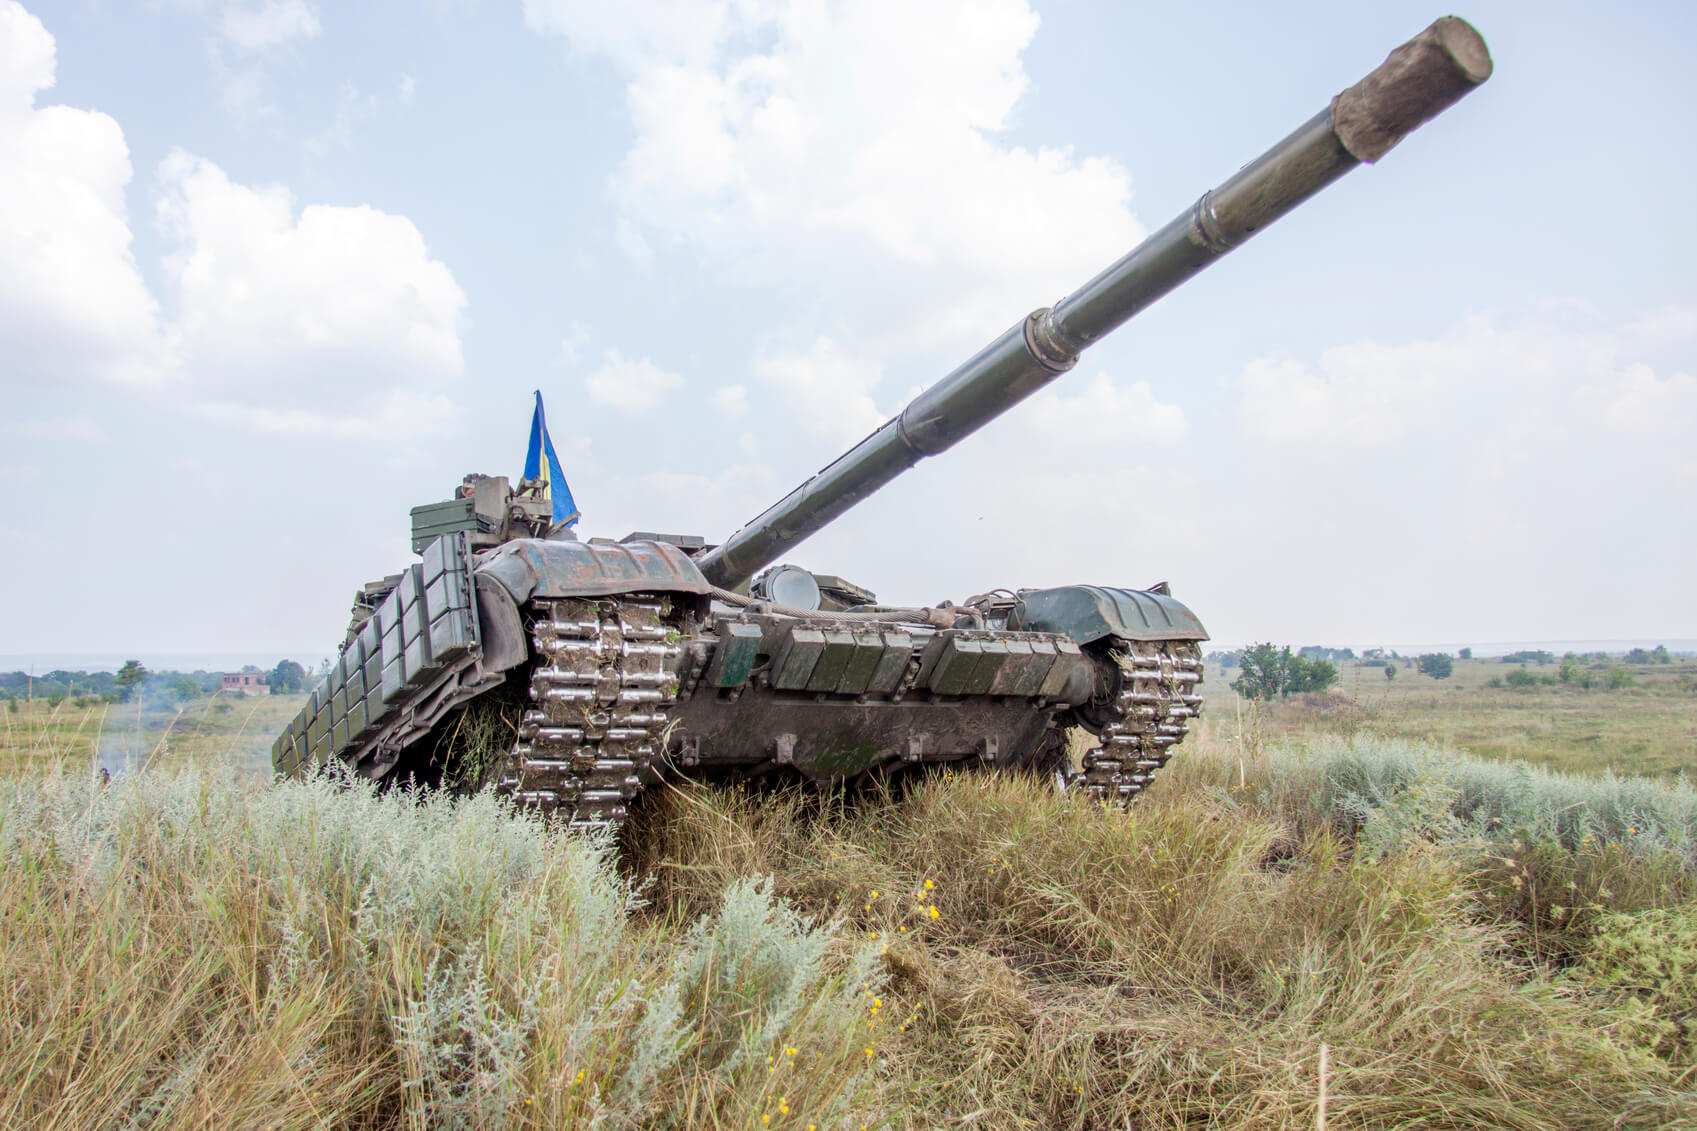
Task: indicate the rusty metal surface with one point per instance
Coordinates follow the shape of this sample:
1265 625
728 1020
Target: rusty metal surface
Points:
1089 612
834 739
1418 81
531 568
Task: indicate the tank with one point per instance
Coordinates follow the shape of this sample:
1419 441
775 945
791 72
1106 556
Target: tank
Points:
573 673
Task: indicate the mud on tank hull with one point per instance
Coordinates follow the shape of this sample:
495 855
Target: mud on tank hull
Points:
619 664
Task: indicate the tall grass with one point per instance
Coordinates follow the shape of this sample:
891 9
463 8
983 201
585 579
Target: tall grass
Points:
1177 965
181 950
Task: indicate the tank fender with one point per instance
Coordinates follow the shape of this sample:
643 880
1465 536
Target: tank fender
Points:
534 567
502 631
1087 613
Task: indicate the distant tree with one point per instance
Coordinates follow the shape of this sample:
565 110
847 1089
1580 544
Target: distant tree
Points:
1569 670
172 687
1618 677
1466 654
1271 672
1390 672
287 676
1520 677
1312 675
131 676
1320 652
1264 672
1438 665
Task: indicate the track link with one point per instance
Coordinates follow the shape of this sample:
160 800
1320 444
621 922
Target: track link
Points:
1158 698
606 672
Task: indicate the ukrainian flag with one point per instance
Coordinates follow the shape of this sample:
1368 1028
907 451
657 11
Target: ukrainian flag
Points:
542 467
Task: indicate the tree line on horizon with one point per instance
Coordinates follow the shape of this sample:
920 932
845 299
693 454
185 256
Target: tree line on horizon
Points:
134 679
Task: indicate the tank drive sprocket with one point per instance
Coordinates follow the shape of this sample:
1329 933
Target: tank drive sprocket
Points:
1156 702
605 674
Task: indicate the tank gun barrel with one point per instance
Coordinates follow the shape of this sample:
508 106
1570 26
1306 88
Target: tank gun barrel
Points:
1416 82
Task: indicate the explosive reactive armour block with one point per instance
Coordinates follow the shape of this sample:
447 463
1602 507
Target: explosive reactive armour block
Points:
792 666
734 656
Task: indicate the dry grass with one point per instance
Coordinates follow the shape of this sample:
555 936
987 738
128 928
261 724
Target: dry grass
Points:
184 950
1647 729
238 730
1179 965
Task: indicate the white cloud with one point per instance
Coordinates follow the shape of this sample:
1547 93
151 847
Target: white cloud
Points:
71 299
634 33
1367 395
632 242
353 109
80 428
327 303
1634 402
779 136
629 384
732 400
828 392
248 37
267 25
396 412
1102 414
571 346
1518 470
323 319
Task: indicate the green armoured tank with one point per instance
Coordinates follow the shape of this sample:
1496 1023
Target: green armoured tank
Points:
601 667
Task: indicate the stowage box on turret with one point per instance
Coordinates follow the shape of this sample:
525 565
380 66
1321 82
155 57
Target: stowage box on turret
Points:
610 665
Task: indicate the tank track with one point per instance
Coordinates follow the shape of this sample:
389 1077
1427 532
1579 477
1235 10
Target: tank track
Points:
1157 700
606 672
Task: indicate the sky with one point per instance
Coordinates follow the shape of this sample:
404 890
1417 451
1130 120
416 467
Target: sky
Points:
272 272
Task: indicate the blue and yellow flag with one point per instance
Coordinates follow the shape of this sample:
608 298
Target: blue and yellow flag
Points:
546 472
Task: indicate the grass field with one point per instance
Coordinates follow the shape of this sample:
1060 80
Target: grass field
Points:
1304 923
234 730
1395 929
1649 728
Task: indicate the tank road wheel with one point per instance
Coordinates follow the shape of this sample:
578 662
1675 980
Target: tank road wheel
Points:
1158 697
605 673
